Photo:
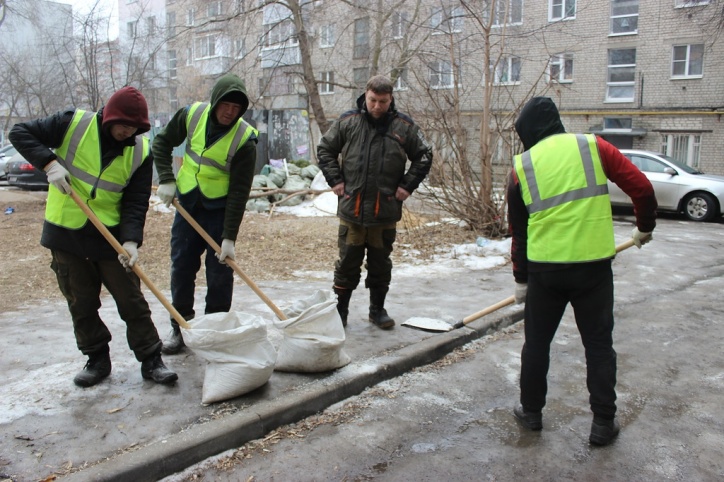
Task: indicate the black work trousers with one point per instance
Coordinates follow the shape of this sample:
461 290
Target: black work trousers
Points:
354 240
588 287
80 282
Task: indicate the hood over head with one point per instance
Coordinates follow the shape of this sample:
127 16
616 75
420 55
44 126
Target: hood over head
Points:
230 88
538 119
128 107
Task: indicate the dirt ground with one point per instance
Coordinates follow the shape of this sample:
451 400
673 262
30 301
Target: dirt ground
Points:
268 248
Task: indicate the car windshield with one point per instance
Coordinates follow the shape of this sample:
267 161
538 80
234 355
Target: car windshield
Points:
681 165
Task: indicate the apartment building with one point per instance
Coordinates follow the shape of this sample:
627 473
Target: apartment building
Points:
642 73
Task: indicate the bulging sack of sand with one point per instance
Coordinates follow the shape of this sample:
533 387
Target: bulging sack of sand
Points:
239 355
312 338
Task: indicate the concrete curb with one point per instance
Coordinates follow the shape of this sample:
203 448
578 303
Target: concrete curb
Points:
179 451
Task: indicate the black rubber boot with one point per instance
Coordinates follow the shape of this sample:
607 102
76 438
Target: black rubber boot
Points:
343 297
603 431
175 342
153 368
96 369
378 314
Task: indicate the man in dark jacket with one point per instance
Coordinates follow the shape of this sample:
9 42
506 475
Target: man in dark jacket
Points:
363 157
560 218
213 185
106 161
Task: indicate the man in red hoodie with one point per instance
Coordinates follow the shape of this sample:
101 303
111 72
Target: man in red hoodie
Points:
104 159
560 218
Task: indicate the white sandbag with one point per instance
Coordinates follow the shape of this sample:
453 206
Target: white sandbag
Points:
239 355
312 338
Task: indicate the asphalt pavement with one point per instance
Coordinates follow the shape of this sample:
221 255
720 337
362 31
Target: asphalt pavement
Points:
127 428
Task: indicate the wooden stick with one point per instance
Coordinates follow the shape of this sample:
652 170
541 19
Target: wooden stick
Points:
214 245
136 269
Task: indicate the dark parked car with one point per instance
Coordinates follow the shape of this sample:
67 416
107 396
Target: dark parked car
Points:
24 175
679 188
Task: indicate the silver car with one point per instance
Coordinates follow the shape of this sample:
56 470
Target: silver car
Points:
678 187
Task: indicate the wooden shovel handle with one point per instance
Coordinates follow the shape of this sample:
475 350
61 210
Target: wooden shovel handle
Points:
215 246
511 299
136 269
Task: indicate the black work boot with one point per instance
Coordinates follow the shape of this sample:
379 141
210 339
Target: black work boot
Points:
603 431
153 368
378 314
96 369
530 420
343 297
175 342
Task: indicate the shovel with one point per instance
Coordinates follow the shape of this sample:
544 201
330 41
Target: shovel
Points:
136 269
432 324
215 246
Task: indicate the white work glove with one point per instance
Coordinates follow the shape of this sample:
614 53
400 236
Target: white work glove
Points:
58 176
166 192
521 289
640 238
227 251
131 248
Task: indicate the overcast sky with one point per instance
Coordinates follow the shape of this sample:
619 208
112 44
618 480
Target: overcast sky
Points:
110 6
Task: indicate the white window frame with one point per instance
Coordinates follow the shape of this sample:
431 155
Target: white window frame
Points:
562 61
515 13
505 67
399 25
441 75
558 10
172 64
151 25
683 147
629 18
611 69
401 81
205 46
214 8
132 29
687 62
326 36
239 48
190 17
170 24
447 19
690 3
326 82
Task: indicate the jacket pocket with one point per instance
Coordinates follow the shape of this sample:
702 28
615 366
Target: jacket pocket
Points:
387 207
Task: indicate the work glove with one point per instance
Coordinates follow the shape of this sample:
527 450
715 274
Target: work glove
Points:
227 251
166 192
131 248
521 289
640 238
58 176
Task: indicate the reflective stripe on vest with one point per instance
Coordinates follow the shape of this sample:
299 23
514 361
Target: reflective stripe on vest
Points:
101 190
564 189
208 168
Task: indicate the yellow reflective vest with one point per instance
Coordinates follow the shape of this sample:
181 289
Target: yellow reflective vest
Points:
564 188
100 188
208 168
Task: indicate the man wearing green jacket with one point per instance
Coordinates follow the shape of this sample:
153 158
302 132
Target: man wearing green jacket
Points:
213 185
363 157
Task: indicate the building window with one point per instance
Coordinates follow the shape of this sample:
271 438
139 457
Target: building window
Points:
190 17
239 6
172 73
687 61
276 82
691 3
326 84
400 76
151 61
506 71
624 17
560 68
171 24
360 76
447 19
561 10
399 24
361 38
132 29
281 34
682 147
239 48
326 36
173 98
214 9
621 75
205 47
620 124
151 25
441 75
507 12
189 56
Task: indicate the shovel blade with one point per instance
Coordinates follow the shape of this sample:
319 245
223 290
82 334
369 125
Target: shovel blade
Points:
428 324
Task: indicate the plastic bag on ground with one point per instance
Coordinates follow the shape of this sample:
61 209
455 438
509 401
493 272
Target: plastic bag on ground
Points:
312 338
239 355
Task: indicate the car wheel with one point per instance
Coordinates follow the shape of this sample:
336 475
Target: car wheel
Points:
700 206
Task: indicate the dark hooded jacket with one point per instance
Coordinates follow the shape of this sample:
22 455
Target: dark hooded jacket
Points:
228 88
369 155
539 119
35 140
